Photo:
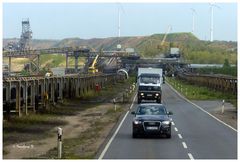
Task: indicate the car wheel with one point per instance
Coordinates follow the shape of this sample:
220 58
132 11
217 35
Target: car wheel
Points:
134 135
169 135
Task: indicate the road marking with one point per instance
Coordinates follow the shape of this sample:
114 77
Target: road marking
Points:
180 136
133 101
201 108
173 123
176 129
190 156
184 145
115 133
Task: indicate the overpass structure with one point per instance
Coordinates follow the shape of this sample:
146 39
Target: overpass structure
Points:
67 51
24 94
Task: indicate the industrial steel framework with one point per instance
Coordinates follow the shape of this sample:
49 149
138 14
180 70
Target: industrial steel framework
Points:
26 35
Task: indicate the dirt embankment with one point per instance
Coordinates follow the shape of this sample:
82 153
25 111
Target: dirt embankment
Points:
85 127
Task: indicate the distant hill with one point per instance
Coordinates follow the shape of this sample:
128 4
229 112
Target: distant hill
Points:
35 43
192 48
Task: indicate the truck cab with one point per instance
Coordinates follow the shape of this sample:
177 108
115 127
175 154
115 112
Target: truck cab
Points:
149 85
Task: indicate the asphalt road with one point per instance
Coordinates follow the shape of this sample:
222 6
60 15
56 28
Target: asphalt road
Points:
195 135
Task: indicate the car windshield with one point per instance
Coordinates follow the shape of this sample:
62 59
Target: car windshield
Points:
151 110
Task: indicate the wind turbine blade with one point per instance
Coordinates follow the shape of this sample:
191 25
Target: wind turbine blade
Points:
193 10
216 6
120 7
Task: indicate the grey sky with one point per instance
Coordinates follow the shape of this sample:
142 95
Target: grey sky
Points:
100 20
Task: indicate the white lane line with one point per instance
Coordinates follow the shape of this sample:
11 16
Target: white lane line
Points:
115 133
173 123
190 156
176 129
133 101
201 108
184 145
180 136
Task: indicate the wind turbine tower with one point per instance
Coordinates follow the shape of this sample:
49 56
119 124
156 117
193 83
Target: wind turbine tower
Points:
193 19
212 5
119 25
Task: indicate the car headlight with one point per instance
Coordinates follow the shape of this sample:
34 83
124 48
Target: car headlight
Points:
142 94
137 122
157 94
166 122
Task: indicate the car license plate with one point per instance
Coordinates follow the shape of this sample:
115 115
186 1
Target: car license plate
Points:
149 95
152 128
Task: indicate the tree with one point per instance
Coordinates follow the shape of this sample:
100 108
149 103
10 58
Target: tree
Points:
226 64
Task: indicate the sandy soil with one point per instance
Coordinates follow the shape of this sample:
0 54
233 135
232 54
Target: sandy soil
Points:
76 125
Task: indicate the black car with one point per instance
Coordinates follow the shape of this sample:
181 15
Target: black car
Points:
151 118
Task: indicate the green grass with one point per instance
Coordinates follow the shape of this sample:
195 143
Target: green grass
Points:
57 60
195 92
226 71
109 91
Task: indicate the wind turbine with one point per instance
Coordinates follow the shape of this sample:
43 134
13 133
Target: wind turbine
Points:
119 22
212 5
120 8
193 19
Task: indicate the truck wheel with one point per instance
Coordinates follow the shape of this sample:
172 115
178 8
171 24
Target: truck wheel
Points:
139 101
158 100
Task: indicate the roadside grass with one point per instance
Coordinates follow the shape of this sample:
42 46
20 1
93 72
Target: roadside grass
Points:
38 125
66 108
196 92
84 146
108 91
232 71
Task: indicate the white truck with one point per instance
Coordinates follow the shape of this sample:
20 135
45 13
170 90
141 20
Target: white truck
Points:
150 84
58 71
174 53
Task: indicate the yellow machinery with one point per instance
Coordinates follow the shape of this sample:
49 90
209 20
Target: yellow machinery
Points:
164 45
92 69
49 73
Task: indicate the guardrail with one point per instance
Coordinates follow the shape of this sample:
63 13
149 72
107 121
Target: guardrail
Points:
221 83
